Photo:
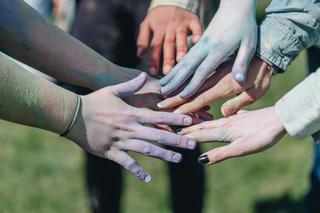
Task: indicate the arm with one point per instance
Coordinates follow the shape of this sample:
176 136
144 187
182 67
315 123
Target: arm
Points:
168 22
105 125
28 37
225 35
297 113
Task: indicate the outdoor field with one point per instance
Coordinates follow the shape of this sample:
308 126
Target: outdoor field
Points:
42 172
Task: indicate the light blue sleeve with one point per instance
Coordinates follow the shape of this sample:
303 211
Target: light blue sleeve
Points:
289 27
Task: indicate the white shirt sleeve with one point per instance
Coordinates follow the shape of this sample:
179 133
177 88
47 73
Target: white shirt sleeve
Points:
299 109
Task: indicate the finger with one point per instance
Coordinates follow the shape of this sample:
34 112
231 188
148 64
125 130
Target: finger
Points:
180 73
242 62
143 39
129 164
182 45
245 98
164 137
130 87
168 51
155 52
171 102
166 118
203 114
206 68
196 29
219 154
152 150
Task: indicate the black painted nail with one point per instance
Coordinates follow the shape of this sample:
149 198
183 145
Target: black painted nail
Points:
203 159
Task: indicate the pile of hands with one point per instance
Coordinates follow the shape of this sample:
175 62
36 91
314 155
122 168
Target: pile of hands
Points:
221 64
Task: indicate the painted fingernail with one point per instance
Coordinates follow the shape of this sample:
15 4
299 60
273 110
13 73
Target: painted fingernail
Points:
240 78
203 159
180 56
152 70
167 69
192 144
147 179
139 51
161 81
177 157
187 120
226 111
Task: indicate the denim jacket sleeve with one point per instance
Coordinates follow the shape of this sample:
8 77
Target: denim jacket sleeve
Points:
191 5
289 27
299 109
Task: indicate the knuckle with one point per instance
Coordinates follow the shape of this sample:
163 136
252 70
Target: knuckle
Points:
160 118
130 165
218 154
134 114
147 149
182 30
160 136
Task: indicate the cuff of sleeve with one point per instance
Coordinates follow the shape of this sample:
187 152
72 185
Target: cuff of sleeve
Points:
276 44
299 109
191 5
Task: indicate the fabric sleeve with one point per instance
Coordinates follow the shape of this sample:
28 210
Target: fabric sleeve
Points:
191 5
288 29
299 109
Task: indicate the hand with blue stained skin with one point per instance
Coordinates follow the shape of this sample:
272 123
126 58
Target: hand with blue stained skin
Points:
221 85
247 132
109 128
105 125
167 25
149 96
232 31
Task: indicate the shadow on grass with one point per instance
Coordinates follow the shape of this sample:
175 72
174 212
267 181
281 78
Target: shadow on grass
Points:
285 204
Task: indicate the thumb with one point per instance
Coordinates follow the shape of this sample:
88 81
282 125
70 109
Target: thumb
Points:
130 87
241 64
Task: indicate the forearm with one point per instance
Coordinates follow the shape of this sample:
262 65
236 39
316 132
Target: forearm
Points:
289 28
28 37
29 100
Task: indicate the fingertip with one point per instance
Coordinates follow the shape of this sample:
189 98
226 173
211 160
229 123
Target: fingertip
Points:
196 38
147 179
140 51
239 77
180 55
226 111
152 71
166 69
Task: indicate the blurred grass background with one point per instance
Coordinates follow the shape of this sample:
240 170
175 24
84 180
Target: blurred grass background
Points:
41 172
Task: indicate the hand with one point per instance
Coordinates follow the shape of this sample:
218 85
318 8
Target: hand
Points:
221 85
109 128
149 96
167 25
224 36
247 132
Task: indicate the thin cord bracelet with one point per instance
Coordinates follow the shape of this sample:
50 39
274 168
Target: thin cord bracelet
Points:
74 117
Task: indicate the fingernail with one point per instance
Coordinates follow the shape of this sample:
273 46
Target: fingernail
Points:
226 111
161 81
167 69
177 157
162 104
147 179
141 77
192 144
180 56
203 159
152 70
240 78
196 38
139 51
187 120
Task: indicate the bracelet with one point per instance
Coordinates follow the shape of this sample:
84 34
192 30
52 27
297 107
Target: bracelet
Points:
74 117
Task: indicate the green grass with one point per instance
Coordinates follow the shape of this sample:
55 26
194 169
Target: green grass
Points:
41 172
